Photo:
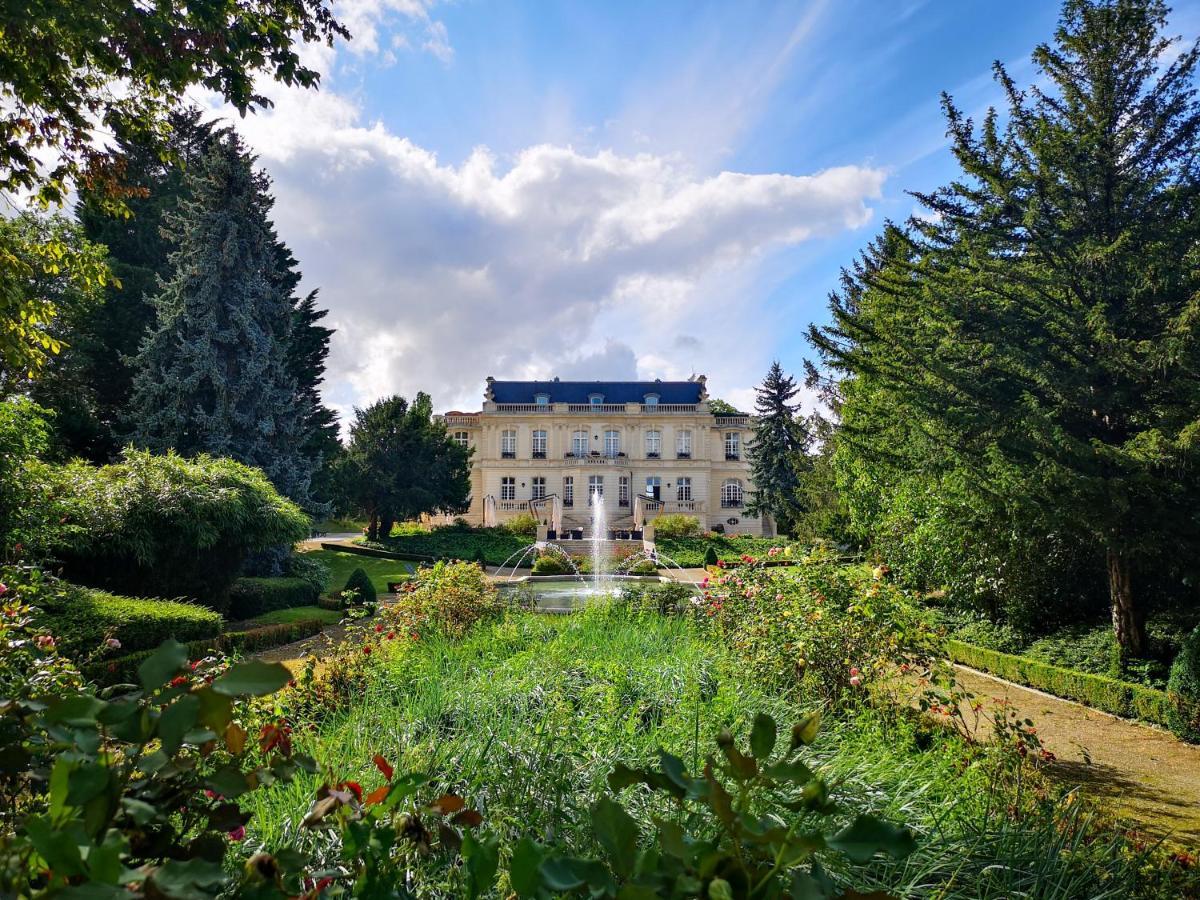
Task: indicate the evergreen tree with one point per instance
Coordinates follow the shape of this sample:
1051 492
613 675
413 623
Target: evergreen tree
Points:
88 385
1033 342
778 453
213 375
401 463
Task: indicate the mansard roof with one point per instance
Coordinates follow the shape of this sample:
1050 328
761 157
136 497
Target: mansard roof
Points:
611 391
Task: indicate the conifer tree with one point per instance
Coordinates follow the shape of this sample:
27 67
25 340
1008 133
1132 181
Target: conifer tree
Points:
1034 339
213 375
778 451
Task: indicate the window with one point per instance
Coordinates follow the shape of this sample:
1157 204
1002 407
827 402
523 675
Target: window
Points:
539 443
596 399
595 488
683 489
731 494
508 444
683 444
653 487
733 445
568 490
623 491
542 399
537 490
651 400
653 444
579 443
462 438
508 488
612 443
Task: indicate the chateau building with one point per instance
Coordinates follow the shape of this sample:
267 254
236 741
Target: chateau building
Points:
642 448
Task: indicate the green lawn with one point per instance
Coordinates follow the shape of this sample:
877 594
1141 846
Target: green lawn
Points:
299 614
380 571
340 526
525 718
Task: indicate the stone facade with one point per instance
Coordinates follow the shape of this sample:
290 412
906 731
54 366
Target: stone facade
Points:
650 447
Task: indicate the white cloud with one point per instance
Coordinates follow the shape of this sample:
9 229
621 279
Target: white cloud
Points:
366 19
553 262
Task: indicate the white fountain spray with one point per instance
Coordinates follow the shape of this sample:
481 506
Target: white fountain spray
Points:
599 533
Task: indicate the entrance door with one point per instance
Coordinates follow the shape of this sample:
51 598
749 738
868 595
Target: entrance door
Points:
654 487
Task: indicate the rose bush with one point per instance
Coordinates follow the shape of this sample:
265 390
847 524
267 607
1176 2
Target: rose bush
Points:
448 597
830 629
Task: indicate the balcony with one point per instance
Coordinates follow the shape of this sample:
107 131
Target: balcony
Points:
539 454
509 505
605 408
732 504
653 455
508 454
724 420
683 454
524 408
732 457
670 409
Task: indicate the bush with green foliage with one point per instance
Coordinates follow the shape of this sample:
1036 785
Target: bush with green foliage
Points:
494 545
359 589
549 564
825 629
252 597
676 525
310 568
710 557
1183 690
166 526
448 598
24 435
523 523
691 552
84 621
643 567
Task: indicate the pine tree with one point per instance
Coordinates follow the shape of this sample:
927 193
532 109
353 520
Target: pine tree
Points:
88 385
1036 334
213 374
778 451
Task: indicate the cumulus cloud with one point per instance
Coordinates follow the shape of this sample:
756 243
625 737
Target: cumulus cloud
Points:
552 262
366 19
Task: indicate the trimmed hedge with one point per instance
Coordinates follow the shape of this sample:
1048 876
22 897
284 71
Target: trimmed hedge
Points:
250 597
124 668
82 618
1183 687
1121 698
363 587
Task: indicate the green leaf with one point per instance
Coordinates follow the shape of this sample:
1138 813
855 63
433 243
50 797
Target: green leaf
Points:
481 858
228 781
216 710
762 736
55 846
617 832
193 878
719 889
793 771
813 885
805 731
79 711
176 720
670 838
86 782
523 868
140 811
867 835
163 664
565 873
253 679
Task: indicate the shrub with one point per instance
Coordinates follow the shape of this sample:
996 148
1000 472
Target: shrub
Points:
671 599
449 597
166 526
832 628
1183 690
479 557
549 564
311 569
644 567
710 557
522 523
252 597
359 586
24 435
82 619
994 636
676 525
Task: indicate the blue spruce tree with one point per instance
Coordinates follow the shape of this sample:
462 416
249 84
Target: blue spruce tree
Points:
213 373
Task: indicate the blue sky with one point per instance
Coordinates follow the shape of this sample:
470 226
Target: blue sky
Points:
526 189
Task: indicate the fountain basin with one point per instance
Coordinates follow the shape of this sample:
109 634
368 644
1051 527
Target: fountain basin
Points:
565 593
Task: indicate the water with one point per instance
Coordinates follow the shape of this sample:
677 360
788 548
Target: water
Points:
565 594
599 534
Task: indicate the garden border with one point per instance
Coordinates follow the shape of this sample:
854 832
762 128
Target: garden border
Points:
1110 695
382 554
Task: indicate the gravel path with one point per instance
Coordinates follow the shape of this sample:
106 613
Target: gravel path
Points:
1139 772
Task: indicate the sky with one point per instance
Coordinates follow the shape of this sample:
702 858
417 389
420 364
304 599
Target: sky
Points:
612 190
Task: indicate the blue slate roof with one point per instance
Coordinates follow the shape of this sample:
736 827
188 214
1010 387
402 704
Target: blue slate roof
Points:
581 391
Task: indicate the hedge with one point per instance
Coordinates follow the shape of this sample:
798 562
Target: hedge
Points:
124 669
250 597
1121 698
81 618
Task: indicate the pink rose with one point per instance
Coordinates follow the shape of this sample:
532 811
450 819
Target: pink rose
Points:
112 644
238 834
3 588
45 641
855 680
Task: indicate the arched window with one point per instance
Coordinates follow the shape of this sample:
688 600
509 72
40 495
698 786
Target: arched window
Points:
683 444
579 443
731 494
653 444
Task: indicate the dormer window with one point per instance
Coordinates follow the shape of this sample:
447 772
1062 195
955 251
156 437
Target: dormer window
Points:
650 400
596 399
542 399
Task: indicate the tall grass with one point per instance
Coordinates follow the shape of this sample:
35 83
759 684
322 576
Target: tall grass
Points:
526 716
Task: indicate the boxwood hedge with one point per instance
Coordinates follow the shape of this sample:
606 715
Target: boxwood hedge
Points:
250 597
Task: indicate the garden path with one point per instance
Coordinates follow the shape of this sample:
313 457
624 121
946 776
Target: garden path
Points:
1137 771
